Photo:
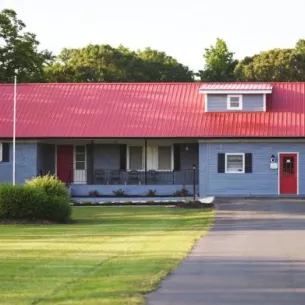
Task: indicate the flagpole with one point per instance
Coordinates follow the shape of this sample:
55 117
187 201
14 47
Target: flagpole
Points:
14 128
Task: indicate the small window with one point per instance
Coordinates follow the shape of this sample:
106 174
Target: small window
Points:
235 163
234 102
1 152
288 165
136 157
164 158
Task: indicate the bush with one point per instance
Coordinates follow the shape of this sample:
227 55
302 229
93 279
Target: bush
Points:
43 198
94 193
119 193
151 193
50 184
181 193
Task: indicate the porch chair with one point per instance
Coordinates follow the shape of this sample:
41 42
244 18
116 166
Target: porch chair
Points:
152 176
133 177
100 175
115 177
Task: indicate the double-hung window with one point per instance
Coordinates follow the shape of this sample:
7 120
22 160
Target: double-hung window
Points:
235 163
234 102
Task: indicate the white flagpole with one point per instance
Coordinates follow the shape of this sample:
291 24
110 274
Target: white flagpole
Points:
14 128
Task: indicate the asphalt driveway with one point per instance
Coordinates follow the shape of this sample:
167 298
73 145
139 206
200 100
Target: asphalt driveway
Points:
255 254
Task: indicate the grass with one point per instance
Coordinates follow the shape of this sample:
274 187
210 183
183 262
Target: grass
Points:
107 256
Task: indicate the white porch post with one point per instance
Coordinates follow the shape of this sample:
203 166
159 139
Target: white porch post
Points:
14 127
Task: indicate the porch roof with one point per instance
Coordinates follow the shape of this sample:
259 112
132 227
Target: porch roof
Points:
130 110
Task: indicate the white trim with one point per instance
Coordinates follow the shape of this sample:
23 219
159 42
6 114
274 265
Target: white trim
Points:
265 103
229 107
242 91
249 140
206 106
226 163
279 170
1 152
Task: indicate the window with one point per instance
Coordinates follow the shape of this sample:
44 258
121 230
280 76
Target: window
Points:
288 165
164 157
235 163
234 102
80 157
136 157
158 157
1 152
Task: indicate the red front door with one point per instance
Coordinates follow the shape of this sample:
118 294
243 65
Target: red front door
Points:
288 174
65 163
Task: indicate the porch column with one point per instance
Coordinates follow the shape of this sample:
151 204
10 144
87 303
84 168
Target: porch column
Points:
92 161
145 161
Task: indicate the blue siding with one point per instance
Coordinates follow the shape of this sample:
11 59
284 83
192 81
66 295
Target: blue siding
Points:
26 163
251 102
262 181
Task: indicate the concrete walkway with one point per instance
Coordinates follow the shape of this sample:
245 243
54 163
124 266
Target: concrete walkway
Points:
255 254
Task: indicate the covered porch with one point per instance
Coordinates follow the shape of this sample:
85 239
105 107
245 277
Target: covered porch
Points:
135 165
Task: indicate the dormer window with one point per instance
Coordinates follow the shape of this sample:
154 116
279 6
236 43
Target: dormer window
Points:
234 102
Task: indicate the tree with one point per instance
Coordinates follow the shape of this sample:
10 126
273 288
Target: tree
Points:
104 63
274 65
219 63
19 50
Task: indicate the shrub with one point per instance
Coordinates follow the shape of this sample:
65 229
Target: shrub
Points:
43 198
50 184
181 193
19 202
119 193
94 193
151 193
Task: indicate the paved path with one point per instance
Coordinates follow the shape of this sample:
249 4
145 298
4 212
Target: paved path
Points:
255 254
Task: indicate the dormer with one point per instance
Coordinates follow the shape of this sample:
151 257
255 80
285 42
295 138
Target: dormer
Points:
235 97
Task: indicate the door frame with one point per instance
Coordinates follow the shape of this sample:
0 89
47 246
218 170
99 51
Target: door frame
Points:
279 170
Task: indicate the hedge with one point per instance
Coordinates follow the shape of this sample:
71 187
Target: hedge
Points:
42 198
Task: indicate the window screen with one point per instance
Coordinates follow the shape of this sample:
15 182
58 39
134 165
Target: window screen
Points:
164 157
234 102
235 163
136 157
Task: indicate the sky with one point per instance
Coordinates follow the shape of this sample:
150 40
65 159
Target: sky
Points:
181 28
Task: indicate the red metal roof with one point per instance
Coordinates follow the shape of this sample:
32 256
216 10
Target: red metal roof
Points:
144 110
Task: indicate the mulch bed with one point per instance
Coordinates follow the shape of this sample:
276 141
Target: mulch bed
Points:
177 204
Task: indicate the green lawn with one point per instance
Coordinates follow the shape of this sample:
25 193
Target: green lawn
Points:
109 255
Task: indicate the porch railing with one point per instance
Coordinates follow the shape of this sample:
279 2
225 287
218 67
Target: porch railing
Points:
136 177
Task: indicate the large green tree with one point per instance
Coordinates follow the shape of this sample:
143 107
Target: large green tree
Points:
274 65
219 63
104 63
19 50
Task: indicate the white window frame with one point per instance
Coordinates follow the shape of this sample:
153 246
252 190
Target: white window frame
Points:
153 149
226 163
240 107
1 152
